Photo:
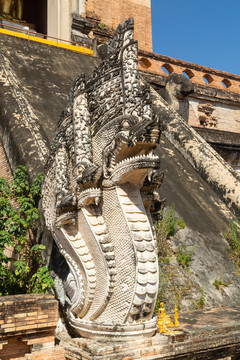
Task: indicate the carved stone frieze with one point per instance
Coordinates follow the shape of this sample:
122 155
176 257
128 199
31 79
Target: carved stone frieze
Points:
98 193
205 115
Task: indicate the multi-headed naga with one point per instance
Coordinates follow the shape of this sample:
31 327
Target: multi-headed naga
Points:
98 193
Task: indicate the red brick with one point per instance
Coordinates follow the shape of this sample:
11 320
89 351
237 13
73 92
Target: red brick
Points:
121 10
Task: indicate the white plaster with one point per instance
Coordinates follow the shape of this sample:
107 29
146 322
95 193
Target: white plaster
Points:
74 4
60 18
228 116
82 6
53 18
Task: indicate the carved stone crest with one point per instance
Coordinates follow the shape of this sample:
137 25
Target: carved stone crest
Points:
205 115
98 192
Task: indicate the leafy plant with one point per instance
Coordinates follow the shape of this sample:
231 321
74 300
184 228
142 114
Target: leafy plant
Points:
219 283
21 265
184 256
165 228
102 26
165 260
180 223
233 237
169 222
201 302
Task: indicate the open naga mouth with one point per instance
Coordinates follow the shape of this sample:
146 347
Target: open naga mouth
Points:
134 160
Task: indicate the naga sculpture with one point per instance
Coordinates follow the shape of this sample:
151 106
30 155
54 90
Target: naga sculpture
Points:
98 192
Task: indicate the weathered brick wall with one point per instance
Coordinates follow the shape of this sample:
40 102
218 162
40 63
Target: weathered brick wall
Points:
213 105
198 74
5 170
111 13
27 325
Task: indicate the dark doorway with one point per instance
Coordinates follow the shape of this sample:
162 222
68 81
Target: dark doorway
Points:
35 12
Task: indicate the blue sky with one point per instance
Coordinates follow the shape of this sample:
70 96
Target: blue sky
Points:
205 32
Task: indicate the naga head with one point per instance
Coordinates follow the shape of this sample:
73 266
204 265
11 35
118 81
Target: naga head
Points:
97 193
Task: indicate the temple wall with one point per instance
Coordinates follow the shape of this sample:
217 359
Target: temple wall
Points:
105 15
5 170
213 169
224 117
27 326
211 105
114 12
31 330
59 18
202 75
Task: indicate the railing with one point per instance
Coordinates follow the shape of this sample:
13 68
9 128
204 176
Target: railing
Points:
202 75
45 39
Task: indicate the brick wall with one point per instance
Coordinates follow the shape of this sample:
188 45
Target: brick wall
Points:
113 12
27 325
211 105
198 74
5 170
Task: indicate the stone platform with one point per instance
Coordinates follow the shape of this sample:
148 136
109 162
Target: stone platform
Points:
213 334
27 327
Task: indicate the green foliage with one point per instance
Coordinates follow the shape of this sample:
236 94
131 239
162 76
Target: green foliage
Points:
164 259
102 26
165 228
23 271
218 283
40 282
169 222
180 223
201 302
174 292
165 277
233 237
184 256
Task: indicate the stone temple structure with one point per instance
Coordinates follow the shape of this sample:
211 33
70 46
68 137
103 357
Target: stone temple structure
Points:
98 195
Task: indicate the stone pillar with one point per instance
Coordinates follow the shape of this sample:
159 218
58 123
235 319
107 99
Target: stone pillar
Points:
81 7
59 18
78 6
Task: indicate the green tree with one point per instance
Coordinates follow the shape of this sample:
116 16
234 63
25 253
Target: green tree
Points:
21 265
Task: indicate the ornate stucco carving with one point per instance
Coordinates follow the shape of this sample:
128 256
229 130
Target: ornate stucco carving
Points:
205 115
98 193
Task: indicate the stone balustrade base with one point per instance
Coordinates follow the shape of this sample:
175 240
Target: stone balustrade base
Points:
212 335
